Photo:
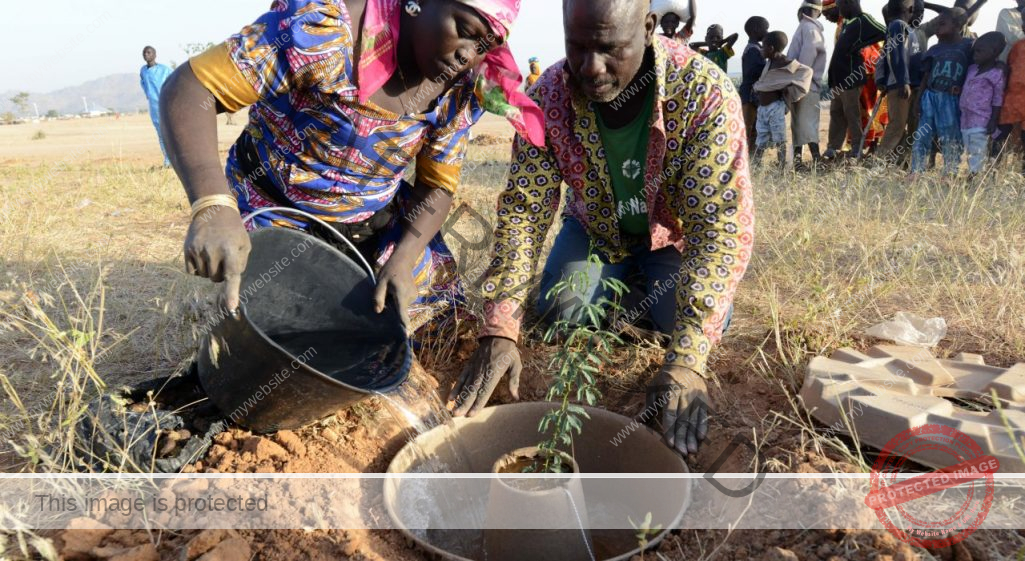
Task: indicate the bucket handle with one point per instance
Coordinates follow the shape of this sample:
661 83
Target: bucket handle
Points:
337 234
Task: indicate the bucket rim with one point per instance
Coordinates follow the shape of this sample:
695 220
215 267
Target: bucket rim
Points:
406 362
391 487
242 315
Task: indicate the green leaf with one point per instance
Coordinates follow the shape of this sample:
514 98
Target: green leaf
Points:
574 424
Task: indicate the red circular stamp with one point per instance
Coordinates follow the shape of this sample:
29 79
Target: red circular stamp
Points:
946 520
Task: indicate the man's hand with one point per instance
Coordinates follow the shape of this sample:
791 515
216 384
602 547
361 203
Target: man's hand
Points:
396 278
493 358
678 398
905 92
217 247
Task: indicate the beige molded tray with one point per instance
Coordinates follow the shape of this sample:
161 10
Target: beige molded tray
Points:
892 388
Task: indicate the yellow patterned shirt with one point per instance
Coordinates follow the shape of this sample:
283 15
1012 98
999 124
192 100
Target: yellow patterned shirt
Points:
697 186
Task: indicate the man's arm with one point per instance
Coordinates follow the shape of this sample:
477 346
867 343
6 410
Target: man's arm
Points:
526 211
719 225
731 40
713 202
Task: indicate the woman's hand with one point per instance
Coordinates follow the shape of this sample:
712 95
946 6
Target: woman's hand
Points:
217 247
396 279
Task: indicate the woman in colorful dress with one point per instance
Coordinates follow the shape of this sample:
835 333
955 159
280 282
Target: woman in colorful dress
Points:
344 96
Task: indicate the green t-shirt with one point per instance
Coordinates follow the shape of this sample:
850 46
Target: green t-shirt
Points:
721 57
626 150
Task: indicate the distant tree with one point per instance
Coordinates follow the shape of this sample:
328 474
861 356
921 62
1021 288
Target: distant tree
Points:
7 117
52 114
193 49
21 101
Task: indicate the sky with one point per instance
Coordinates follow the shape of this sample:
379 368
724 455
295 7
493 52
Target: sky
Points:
79 40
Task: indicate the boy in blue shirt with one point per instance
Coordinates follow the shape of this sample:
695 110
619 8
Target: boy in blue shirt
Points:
946 67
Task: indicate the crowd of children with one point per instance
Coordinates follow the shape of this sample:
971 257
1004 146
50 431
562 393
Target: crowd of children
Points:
891 96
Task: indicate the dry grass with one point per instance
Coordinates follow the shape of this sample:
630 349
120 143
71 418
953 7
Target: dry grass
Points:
93 294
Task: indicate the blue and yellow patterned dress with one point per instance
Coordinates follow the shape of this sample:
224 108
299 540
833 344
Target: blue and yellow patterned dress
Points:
320 149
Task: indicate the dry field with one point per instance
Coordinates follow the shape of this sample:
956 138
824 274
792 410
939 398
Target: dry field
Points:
93 294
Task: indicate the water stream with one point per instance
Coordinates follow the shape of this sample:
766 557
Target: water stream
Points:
445 505
436 503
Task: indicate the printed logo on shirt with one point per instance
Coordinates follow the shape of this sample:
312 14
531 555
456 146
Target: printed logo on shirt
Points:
636 206
631 169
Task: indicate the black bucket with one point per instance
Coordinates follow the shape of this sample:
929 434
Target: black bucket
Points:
306 340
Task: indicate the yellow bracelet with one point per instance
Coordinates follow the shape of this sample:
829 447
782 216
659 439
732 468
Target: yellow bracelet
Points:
204 203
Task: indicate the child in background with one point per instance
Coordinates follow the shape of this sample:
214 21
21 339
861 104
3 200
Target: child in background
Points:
1013 113
783 83
718 49
753 62
899 75
982 98
809 48
946 67
535 71
671 14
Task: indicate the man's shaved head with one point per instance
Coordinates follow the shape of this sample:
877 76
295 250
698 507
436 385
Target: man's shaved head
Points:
604 5
606 41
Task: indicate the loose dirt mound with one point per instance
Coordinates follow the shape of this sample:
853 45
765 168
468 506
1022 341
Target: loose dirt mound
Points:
364 438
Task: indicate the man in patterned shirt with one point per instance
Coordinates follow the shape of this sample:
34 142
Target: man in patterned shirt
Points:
684 216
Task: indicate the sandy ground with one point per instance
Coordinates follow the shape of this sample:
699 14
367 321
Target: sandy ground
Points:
150 294
126 138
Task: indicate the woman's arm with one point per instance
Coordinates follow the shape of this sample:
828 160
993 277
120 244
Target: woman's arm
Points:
188 113
217 246
424 215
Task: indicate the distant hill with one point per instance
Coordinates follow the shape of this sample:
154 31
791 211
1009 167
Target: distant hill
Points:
117 92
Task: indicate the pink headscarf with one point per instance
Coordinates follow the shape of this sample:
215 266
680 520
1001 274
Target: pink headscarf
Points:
498 86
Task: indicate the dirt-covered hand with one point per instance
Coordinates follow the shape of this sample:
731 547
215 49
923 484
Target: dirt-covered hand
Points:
678 399
396 279
495 357
217 247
